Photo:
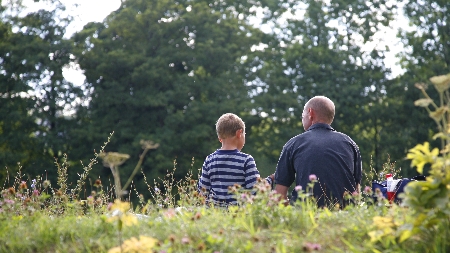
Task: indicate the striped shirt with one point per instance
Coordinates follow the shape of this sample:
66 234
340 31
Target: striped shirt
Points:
225 168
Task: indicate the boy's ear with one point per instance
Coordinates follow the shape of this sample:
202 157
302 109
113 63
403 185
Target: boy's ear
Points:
239 133
219 139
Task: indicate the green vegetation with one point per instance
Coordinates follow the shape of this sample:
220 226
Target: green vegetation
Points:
163 71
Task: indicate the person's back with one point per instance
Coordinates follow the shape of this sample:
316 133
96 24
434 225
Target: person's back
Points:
228 166
327 154
329 158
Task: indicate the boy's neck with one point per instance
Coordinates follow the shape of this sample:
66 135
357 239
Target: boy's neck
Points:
229 144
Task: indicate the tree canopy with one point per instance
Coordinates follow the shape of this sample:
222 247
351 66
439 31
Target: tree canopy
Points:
165 71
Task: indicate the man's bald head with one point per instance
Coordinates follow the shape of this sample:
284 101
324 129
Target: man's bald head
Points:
323 107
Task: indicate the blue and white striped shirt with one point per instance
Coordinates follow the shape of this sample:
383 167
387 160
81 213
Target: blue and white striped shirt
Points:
225 168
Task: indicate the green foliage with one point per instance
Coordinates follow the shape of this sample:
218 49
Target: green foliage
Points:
174 68
180 222
34 94
431 199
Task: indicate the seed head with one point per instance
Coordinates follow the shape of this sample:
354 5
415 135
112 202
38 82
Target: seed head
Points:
172 238
201 246
23 185
98 183
46 183
12 191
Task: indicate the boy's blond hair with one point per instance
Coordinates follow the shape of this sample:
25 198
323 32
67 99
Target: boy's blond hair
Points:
228 124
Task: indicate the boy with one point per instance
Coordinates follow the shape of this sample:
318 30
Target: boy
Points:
228 166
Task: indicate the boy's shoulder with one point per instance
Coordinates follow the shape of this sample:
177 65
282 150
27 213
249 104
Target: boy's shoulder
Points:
223 153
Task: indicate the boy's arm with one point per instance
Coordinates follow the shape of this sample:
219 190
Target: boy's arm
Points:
204 183
251 173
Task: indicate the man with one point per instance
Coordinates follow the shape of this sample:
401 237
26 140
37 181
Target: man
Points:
329 159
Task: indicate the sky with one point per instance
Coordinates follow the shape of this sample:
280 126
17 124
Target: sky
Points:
86 11
96 11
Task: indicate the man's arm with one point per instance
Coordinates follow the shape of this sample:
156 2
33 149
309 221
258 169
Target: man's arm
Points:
282 190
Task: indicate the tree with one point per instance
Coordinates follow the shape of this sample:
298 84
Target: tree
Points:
318 51
427 54
35 95
163 71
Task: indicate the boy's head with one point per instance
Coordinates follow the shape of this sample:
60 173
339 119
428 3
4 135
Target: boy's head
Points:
228 124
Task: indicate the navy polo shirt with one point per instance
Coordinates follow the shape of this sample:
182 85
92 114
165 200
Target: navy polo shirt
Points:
332 156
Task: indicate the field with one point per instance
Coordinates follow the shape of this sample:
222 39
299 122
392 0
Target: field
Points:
38 217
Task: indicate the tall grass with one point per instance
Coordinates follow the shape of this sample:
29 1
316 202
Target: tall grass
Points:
38 217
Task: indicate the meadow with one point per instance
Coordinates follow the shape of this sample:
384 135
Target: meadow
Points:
37 215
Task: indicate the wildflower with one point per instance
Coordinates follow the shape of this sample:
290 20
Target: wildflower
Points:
120 206
170 213
12 191
185 240
33 183
90 200
197 215
157 189
98 183
311 246
46 183
59 193
143 244
441 83
110 206
9 201
23 185
201 246
298 188
35 193
367 189
312 177
26 201
355 194
172 238
119 210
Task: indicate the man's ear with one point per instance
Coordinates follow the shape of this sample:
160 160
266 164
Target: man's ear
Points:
312 113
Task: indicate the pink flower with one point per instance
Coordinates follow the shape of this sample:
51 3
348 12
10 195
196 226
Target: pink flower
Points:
367 189
9 201
312 177
354 194
185 240
35 193
308 246
298 188
170 213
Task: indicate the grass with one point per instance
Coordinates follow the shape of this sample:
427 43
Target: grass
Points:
37 217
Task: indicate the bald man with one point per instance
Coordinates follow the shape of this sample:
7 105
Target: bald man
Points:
331 159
